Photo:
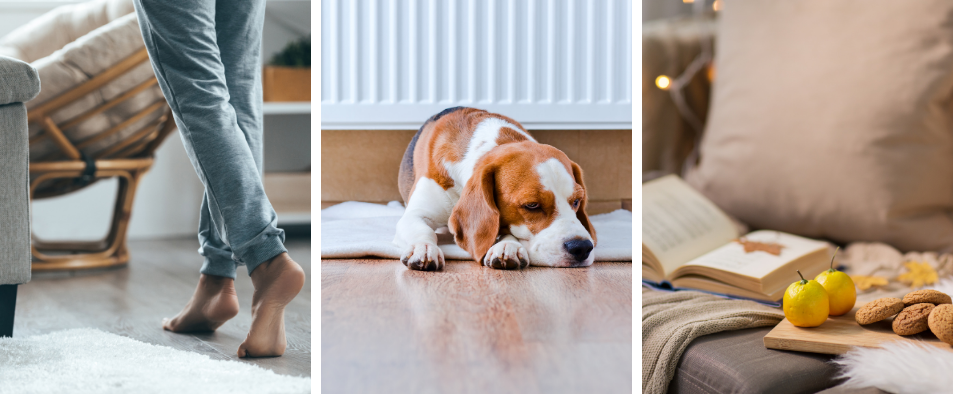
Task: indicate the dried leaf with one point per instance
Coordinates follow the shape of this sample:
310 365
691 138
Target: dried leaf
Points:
865 282
919 274
754 246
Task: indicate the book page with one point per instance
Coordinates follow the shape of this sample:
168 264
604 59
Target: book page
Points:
733 258
679 224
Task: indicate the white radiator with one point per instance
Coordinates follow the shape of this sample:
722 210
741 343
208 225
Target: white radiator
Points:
549 64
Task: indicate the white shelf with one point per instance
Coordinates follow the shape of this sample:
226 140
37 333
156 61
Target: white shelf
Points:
290 195
533 116
287 108
293 218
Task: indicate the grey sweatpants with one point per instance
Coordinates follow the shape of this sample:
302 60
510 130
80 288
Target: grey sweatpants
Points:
206 55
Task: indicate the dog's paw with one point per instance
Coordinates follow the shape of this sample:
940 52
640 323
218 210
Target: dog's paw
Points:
423 257
507 255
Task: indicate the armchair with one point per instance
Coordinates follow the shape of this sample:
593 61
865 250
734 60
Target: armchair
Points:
100 115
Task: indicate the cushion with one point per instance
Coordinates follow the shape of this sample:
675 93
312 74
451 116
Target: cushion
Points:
19 80
61 26
82 60
738 362
831 119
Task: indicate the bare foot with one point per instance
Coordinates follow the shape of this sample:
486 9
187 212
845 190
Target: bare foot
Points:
276 283
212 304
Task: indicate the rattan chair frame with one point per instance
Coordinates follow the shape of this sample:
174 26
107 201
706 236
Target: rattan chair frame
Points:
128 160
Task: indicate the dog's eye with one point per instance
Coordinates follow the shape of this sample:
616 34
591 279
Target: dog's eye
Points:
531 206
575 204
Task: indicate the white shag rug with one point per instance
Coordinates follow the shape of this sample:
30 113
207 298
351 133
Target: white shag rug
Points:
357 229
91 361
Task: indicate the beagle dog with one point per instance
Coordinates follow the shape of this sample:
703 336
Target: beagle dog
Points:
508 200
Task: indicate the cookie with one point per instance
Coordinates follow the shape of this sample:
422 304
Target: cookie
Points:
878 310
941 322
929 296
913 319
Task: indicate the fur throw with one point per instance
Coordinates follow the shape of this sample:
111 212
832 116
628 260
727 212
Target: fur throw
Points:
899 367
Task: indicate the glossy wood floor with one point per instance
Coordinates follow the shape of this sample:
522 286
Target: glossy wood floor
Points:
471 329
158 281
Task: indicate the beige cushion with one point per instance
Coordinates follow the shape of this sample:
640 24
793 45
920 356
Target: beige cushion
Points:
832 119
61 26
82 59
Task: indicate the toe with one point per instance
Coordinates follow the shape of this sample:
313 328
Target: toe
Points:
425 258
438 260
496 263
506 255
501 263
511 255
421 257
421 265
522 256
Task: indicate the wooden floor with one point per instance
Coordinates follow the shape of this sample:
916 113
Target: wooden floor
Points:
158 281
471 329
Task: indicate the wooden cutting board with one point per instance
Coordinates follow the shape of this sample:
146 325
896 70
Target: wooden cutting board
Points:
839 334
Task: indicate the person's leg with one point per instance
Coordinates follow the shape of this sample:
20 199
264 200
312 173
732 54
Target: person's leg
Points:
218 256
183 45
238 24
182 42
214 301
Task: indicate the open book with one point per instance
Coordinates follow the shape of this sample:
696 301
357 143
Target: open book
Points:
688 243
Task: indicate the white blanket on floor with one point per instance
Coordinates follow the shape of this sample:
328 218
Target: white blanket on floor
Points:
358 229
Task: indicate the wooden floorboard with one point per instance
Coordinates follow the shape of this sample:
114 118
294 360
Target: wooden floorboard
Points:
158 281
471 329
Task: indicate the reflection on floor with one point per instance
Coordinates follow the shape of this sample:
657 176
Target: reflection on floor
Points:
158 281
475 329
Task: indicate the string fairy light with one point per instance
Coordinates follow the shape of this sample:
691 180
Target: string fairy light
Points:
674 86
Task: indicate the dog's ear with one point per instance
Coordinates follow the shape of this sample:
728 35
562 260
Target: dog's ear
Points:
475 220
581 213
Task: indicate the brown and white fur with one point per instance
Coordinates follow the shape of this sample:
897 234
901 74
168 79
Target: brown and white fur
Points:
509 201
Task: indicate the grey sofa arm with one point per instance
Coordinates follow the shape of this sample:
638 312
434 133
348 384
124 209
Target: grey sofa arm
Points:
19 82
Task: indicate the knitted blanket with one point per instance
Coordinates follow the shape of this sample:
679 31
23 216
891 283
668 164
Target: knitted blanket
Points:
671 320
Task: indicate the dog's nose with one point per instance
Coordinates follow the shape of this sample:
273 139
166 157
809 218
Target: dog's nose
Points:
579 248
